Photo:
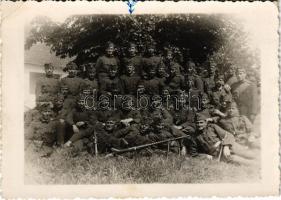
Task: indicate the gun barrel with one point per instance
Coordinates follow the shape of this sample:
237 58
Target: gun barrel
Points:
119 151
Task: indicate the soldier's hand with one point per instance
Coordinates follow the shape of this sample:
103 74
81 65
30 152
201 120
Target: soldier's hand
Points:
61 121
226 151
80 124
227 87
75 129
251 139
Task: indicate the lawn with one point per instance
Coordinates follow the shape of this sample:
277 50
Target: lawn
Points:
64 168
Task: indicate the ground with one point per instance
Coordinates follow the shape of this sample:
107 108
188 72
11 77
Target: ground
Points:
64 168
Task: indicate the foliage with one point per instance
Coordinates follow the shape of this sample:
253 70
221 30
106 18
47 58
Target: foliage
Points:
202 38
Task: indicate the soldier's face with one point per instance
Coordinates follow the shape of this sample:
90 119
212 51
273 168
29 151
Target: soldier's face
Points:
205 102
201 124
81 103
72 72
59 103
173 71
169 56
92 75
132 51
151 50
166 92
130 69
241 75
232 111
49 71
112 72
159 126
109 125
144 128
231 71
46 114
152 73
212 68
86 92
162 72
64 90
219 82
109 50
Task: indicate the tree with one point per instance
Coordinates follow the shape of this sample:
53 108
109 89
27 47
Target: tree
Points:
202 38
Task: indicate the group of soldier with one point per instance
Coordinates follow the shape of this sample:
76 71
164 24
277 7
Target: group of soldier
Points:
124 103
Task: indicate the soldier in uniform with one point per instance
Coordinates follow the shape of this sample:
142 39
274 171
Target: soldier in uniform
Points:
129 114
219 92
107 136
240 126
151 83
175 81
183 115
133 59
130 79
90 81
77 125
209 81
72 82
105 63
41 133
245 95
151 61
191 75
48 84
230 76
213 141
112 85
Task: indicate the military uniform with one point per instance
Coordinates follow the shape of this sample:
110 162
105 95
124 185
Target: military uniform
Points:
103 65
208 141
129 83
152 62
152 86
245 95
137 62
47 85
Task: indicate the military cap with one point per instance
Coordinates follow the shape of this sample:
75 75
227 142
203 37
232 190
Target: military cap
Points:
204 95
131 44
219 76
128 62
59 97
200 117
71 66
109 44
90 67
232 104
45 107
48 66
241 69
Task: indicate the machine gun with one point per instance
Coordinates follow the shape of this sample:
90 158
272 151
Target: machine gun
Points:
135 148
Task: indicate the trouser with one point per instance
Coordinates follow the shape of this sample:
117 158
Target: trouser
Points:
243 151
64 132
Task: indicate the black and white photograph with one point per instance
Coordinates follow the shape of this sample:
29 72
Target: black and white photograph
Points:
143 98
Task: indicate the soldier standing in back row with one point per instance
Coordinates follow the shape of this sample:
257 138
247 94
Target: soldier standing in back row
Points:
48 84
105 63
151 61
134 59
245 95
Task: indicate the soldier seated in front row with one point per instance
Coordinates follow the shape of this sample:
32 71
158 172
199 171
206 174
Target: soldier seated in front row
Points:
210 140
240 126
41 133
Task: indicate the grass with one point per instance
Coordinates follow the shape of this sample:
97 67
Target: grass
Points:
63 168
